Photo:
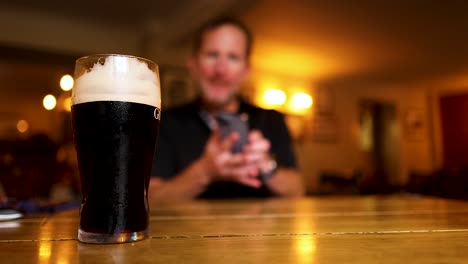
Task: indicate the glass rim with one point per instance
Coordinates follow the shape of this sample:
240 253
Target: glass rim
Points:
114 55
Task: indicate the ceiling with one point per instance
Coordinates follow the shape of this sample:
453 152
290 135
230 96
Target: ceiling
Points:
351 41
330 42
130 13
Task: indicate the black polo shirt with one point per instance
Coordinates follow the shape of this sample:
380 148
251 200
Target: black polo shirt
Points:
183 135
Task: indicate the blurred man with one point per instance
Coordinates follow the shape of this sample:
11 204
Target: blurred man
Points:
195 158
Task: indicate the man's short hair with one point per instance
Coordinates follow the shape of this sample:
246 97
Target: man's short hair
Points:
218 22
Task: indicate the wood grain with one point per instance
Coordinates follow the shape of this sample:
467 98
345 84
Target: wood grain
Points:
322 230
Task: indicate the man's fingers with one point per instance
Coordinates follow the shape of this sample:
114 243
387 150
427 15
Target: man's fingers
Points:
254 157
254 135
247 175
262 145
215 136
235 160
240 171
256 142
252 182
228 142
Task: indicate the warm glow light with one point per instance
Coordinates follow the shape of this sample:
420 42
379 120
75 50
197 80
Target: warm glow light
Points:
66 82
65 253
22 126
67 104
62 260
45 245
305 247
291 60
305 250
45 250
274 97
49 102
301 101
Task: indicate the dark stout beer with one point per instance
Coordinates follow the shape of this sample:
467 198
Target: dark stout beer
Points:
115 108
115 145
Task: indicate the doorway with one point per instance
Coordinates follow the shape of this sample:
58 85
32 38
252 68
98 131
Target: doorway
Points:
454 113
380 145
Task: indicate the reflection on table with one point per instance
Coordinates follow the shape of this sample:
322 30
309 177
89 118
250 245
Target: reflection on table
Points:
312 230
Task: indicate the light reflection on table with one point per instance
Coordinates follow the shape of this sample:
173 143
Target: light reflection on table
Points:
313 230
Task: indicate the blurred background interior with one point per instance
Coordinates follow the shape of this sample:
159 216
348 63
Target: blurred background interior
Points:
375 92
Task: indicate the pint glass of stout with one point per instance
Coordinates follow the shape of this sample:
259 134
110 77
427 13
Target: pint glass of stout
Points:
116 108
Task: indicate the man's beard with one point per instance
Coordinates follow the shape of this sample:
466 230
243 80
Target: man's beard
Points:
216 102
220 102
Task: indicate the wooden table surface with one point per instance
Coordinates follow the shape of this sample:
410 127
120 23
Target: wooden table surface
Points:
368 229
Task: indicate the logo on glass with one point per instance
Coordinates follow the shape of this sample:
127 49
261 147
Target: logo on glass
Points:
157 113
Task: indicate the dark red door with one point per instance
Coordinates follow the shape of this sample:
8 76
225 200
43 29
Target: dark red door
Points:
454 114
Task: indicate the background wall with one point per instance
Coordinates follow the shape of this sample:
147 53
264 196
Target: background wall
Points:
406 54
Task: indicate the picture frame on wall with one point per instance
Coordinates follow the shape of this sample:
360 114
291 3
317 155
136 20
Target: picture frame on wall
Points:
414 124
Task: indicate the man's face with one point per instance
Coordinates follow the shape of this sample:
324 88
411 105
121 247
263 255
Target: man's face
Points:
221 64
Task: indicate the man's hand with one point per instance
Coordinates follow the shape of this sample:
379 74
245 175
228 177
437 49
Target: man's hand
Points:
218 163
257 151
222 165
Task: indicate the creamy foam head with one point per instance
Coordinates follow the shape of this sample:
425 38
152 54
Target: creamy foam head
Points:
120 79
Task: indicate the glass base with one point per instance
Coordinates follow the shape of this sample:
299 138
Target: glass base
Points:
95 238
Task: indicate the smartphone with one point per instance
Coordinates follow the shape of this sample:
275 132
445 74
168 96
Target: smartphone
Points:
235 124
228 123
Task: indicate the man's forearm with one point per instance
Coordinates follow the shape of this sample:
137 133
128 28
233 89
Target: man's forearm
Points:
286 183
184 186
